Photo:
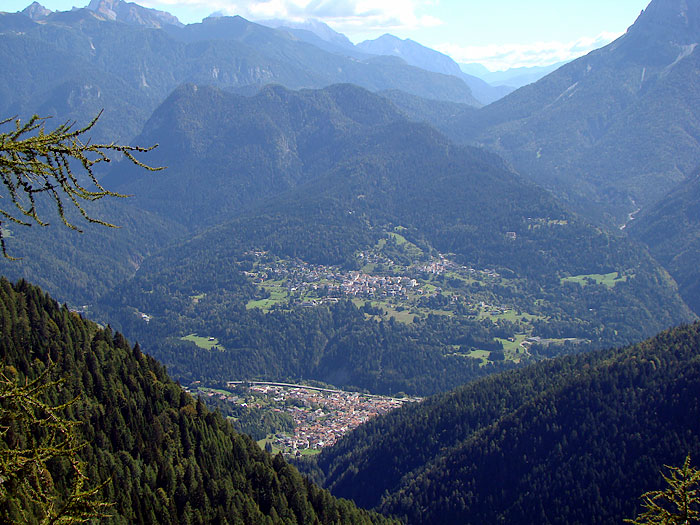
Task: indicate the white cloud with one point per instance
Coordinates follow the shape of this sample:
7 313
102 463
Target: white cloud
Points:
503 56
343 15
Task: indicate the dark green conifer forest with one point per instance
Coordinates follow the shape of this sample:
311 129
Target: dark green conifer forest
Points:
573 440
163 456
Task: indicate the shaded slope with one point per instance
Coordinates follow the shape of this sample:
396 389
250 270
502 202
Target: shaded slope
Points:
226 152
671 229
570 441
78 268
170 460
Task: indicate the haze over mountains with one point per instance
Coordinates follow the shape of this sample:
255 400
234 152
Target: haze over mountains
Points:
352 215
413 53
75 63
516 77
612 131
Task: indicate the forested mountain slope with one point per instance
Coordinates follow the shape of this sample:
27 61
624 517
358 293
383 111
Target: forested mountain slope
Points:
227 152
572 440
333 179
671 229
612 131
78 268
167 459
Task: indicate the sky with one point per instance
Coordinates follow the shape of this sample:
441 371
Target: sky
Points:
497 33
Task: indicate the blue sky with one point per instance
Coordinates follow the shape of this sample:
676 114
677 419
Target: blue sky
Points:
496 33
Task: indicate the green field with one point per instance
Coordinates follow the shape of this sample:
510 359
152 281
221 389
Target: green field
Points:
310 452
275 449
608 279
510 346
201 342
269 439
278 295
482 355
402 317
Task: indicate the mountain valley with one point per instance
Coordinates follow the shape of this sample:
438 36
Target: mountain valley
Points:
486 300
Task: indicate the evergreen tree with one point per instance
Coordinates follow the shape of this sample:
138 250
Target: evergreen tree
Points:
35 433
58 166
678 504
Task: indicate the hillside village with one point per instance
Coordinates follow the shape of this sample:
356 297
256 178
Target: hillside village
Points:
321 416
380 278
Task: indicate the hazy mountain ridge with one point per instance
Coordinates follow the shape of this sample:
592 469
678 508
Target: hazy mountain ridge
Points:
611 131
312 31
132 13
516 77
36 11
431 60
413 53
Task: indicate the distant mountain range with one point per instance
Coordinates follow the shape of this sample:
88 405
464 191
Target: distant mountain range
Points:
72 64
610 132
317 33
413 53
516 77
118 10
132 13
312 32
486 86
420 56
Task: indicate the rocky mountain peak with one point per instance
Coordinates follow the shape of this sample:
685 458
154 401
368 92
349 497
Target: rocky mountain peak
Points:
133 14
36 11
676 20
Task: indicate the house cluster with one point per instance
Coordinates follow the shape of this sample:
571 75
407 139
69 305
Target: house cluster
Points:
332 282
144 317
493 310
295 273
319 284
440 265
358 284
321 417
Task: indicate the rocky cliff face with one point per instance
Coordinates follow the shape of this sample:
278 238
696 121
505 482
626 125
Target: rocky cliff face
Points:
36 11
133 14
